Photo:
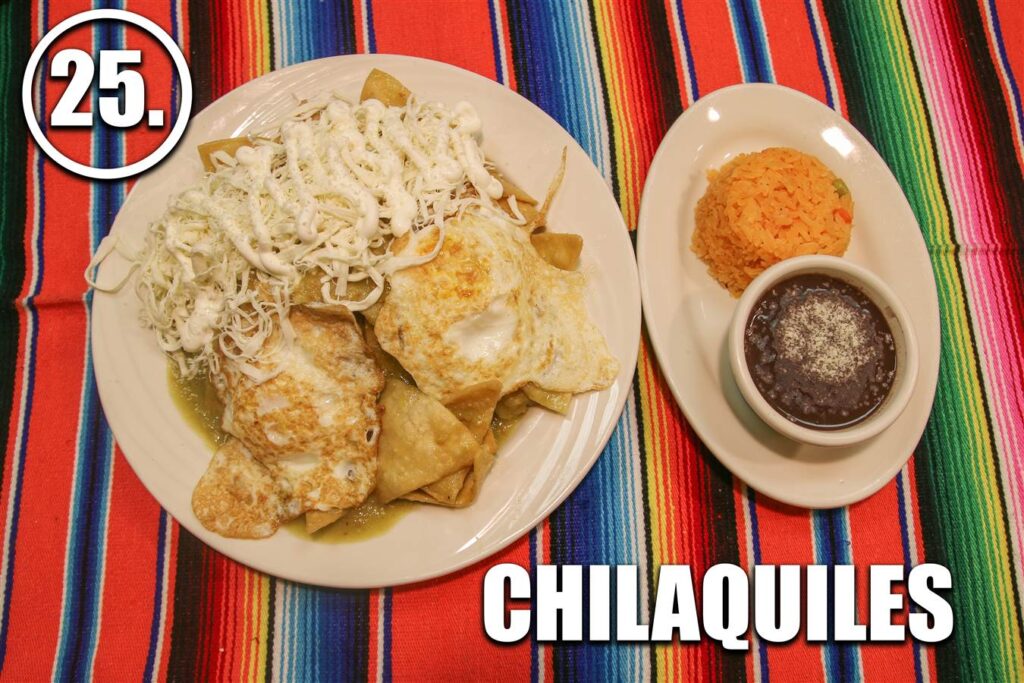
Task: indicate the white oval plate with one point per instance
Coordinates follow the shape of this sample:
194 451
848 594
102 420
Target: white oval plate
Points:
688 313
537 468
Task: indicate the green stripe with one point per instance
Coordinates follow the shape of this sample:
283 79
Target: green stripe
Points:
957 473
14 50
15 29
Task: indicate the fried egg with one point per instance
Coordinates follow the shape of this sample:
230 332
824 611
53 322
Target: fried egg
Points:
489 307
238 496
306 438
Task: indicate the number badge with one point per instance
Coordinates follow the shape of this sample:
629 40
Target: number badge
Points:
123 102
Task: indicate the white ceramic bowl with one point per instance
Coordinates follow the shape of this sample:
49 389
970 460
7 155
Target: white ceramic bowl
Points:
895 314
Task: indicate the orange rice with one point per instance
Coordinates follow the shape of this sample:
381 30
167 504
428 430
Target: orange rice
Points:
768 206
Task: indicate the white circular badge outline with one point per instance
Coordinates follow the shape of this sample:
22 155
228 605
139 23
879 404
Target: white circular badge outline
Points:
156 155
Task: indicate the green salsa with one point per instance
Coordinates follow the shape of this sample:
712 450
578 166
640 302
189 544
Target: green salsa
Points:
366 521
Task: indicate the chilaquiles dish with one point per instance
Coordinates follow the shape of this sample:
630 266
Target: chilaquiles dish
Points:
373 303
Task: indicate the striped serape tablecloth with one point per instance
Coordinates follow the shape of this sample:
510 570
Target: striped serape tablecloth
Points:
95 579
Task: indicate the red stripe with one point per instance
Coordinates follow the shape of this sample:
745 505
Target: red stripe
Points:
785 535
450 31
640 122
373 631
437 624
35 610
739 502
915 511
67 210
172 571
715 59
225 603
1011 24
16 416
791 41
358 19
156 70
237 48
876 539
544 557
38 569
510 75
677 55
130 575
830 55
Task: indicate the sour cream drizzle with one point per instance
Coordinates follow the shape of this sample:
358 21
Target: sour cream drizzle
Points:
324 192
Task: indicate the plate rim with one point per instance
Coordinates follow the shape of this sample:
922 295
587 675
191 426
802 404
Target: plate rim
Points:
929 373
106 388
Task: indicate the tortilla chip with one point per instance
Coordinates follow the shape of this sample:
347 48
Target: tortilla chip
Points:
482 465
474 406
560 249
384 88
228 146
317 519
555 401
421 441
512 406
468 493
419 496
484 461
446 489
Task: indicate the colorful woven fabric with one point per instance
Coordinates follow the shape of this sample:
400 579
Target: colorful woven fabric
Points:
96 579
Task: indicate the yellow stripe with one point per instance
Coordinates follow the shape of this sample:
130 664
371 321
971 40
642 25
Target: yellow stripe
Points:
611 58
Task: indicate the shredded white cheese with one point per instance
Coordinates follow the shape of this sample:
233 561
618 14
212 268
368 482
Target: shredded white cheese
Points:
325 191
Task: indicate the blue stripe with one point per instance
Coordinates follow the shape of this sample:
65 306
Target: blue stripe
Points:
549 51
158 591
755 533
755 544
997 35
291 610
905 541
370 33
288 44
492 13
175 82
316 29
594 526
535 559
86 545
690 68
820 54
832 543
385 627
750 40
29 379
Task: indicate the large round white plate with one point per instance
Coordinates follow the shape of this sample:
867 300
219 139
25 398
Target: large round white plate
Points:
537 468
688 313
